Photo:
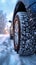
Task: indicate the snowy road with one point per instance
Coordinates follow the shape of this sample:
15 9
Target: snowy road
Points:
9 57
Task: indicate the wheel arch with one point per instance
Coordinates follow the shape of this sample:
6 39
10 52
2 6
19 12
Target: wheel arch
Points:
19 8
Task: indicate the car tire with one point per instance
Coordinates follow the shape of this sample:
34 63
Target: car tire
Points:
24 45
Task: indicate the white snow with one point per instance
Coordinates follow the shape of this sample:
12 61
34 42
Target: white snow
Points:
3 38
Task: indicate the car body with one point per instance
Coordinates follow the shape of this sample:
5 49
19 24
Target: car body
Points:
24 5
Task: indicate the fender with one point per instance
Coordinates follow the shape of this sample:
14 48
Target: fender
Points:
23 5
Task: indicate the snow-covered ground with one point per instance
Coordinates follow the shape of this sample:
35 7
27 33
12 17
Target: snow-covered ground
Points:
3 37
9 57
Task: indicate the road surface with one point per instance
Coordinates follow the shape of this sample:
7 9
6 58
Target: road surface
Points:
9 57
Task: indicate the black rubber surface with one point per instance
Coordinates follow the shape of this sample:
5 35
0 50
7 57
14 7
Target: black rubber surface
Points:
27 36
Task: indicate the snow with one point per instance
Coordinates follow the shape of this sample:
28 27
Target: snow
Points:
9 57
3 37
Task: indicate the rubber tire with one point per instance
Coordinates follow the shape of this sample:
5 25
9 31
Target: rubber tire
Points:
32 24
26 37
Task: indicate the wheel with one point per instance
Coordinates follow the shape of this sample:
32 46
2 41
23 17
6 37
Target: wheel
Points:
11 32
16 33
11 36
23 39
